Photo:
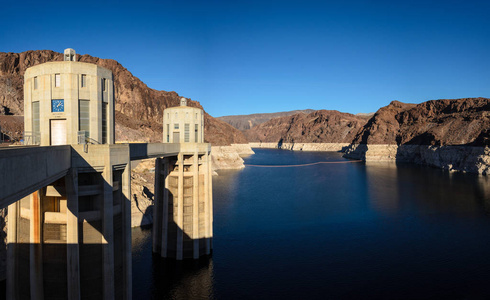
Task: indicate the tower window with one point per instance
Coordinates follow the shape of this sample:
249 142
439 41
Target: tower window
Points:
84 80
36 124
35 82
84 116
104 123
196 127
104 84
186 133
57 80
176 126
168 133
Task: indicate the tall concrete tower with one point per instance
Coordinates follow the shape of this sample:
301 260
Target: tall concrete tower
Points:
68 102
183 124
183 210
71 239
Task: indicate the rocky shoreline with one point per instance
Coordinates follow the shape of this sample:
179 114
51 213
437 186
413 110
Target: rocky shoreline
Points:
471 159
229 157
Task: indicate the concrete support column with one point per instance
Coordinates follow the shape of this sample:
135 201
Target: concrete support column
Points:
35 247
13 219
72 246
157 201
209 191
180 209
164 237
206 203
107 215
195 204
126 214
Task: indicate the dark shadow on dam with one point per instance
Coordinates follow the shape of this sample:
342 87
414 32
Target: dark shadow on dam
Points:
53 272
72 237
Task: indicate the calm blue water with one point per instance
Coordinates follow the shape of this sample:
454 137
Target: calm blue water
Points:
333 231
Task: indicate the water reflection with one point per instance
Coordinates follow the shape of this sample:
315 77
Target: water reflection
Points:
157 278
484 189
404 188
226 183
382 187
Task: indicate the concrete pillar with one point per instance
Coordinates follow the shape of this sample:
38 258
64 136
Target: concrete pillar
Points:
195 204
180 208
207 202
13 215
157 210
107 215
35 247
164 236
209 191
126 214
72 241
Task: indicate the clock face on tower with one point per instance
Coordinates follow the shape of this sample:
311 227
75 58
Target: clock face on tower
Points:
57 105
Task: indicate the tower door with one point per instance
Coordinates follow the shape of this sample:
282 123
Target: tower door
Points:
176 137
58 132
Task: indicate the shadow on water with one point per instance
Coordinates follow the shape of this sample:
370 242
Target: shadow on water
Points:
183 279
158 278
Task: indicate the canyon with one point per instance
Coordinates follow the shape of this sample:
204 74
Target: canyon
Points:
452 134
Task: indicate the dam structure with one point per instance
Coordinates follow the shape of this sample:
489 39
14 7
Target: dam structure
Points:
183 211
68 189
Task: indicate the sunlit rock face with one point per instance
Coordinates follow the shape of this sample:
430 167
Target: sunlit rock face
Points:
436 122
448 134
322 126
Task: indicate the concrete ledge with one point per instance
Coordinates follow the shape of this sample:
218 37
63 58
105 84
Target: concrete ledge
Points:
142 150
54 218
27 169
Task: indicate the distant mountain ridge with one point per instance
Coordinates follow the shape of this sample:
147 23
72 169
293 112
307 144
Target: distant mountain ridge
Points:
244 122
321 126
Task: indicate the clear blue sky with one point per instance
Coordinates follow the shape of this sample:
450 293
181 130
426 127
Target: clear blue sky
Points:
241 57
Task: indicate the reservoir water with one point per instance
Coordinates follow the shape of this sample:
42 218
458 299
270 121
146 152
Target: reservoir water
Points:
333 231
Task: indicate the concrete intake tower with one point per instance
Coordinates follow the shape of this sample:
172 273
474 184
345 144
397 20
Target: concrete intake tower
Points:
183 210
71 237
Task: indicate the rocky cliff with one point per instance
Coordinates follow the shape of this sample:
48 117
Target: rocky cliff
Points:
244 122
436 122
138 107
322 126
449 134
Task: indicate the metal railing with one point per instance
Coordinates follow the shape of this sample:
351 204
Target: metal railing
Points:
83 138
32 138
